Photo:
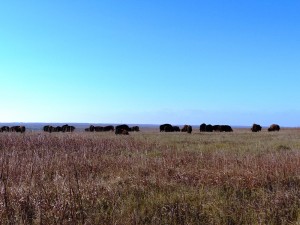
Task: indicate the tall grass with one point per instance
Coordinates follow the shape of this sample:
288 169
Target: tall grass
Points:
150 178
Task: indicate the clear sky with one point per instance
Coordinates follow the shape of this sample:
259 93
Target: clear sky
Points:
153 61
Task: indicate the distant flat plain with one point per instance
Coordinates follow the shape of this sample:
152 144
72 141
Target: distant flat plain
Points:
150 177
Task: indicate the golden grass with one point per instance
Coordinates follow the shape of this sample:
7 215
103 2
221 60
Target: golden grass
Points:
150 178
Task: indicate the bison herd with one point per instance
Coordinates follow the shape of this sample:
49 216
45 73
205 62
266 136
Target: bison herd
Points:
169 128
20 129
217 128
120 129
257 128
64 128
125 129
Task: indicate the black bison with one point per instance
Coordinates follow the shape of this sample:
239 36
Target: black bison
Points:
109 128
216 128
91 128
46 128
176 128
20 129
4 129
166 128
67 128
57 129
225 128
50 129
121 131
274 127
256 128
184 128
187 128
209 128
98 129
123 127
135 128
203 127
206 128
222 128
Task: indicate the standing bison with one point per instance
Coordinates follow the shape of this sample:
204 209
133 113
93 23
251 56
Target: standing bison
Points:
135 128
166 128
222 128
274 127
187 128
122 129
4 129
217 128
226 128
67 128
49 128
176 128
20 129
209 128
255 128
203 127
91 128
109 128
98 129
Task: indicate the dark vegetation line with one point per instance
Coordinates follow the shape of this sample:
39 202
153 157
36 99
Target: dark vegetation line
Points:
125 129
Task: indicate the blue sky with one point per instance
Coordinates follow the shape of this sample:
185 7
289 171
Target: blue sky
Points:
220 62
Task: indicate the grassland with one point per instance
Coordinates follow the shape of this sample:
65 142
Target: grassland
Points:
150 178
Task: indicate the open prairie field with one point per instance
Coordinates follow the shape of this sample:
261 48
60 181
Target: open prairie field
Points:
150 177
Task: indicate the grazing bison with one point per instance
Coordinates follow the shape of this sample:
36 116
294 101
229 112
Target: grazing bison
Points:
4 129
121 131
46 128
91 128
67 128
222 128
168 128
162 127
216 128
203 127
225 128
209 128
108 128
49 128
184 128
135 128
256 128
98 129
57 129
20 129
176 128
187 128
123 127
274 127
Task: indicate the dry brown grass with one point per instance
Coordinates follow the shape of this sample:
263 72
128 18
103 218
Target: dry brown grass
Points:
150 178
